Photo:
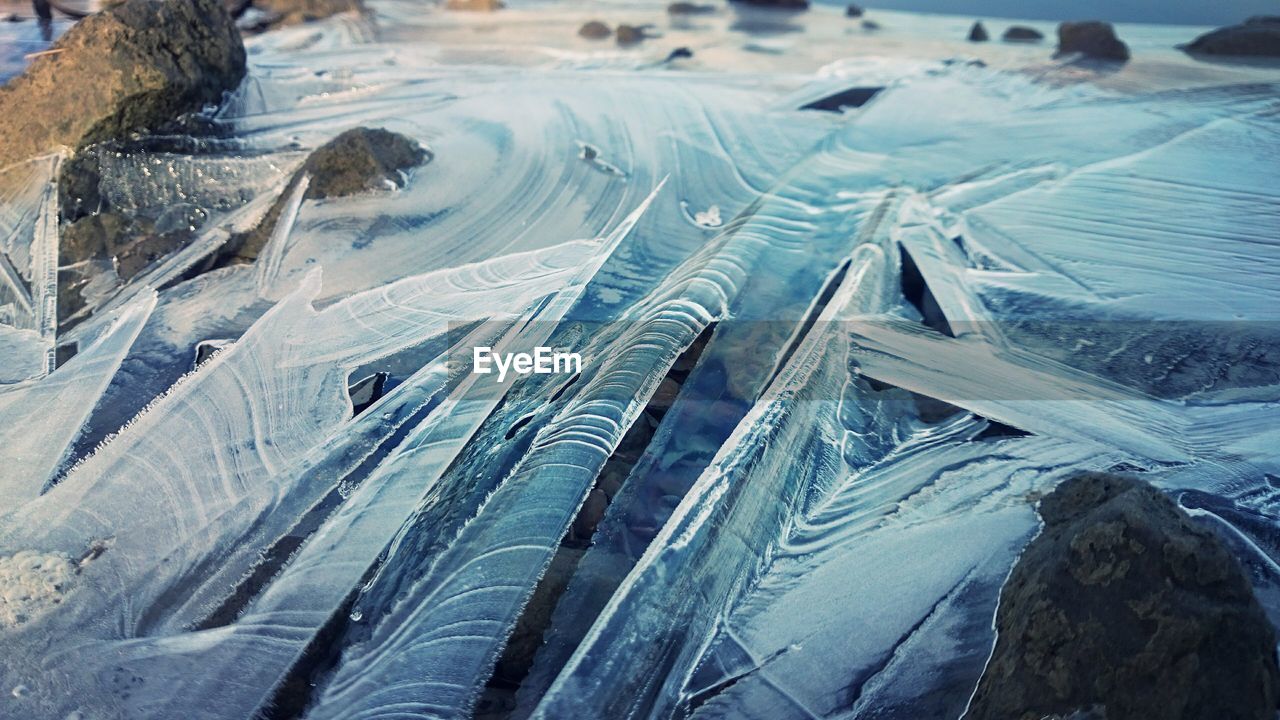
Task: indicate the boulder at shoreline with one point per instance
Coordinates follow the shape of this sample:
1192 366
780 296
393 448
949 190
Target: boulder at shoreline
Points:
359 160
1124 608
1092 39
292 12
1255 37
1022 33
133 67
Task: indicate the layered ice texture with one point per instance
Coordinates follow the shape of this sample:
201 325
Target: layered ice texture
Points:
910 319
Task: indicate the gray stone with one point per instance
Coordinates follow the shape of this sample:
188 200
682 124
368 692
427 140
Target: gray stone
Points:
1092 39
594 30
629 34
292 12
688 8
1125 608
978 33
1022 33
1255 37
775 4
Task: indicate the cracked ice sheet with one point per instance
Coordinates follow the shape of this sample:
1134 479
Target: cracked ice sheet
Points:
171 531
999 122
420 653
649 635
810 234
43 417
28 268
520 181
275 629
514 184
1035 125
917 565
912 638
875 486
1163 233
1155 311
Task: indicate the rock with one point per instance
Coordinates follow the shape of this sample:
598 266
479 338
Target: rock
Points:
1022 33
775 4
1255 37
688 8
629 34
31 584
853 11
680 53
1124 608
130 245
838 102
592 512
292 12
664 397
870 25
105 250
594 30
978 33
527 635
79 184
1092 39
358 160
135 66
476 5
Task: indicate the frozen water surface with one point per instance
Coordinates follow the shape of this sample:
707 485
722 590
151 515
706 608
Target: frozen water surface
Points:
831 357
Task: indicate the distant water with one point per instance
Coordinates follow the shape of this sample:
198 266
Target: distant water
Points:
1171 12
19 39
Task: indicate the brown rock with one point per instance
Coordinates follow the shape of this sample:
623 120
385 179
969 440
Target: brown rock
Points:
629 34
135 66
292 12
359 160
594 30
1124 608
129 245
1092 39
476 5
105 243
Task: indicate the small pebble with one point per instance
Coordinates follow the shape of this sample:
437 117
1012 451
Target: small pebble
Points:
629 34
595 30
